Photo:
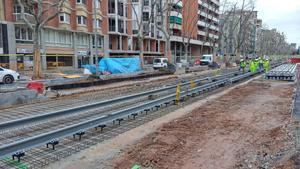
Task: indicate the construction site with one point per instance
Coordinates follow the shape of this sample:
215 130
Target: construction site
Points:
216 118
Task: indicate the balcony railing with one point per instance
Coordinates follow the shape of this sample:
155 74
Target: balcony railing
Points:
18 17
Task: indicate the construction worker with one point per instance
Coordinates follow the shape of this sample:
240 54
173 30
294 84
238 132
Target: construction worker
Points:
267 65
243 65
252 66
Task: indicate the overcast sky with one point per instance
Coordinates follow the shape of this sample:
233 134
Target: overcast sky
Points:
281 14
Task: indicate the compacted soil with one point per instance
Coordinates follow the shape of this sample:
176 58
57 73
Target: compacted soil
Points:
249 127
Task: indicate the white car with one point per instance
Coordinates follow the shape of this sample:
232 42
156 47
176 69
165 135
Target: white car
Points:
160 63
8 76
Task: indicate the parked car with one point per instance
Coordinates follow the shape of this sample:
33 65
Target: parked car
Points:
207 60
160 63
8 76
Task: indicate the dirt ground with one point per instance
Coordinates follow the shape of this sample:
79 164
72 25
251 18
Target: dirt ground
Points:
249 127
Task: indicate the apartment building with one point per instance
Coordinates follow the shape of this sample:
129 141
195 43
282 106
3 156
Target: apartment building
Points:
1 25
195 21
68 39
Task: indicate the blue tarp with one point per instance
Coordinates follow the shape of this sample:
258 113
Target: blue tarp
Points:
116 65
120 65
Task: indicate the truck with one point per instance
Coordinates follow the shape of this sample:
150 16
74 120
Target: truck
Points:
207 59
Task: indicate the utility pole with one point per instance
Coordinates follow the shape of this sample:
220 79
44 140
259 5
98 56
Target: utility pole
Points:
96 36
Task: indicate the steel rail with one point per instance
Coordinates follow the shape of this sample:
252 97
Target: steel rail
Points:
38 140
74 110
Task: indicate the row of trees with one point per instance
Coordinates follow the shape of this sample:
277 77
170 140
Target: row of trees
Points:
271 41
242 33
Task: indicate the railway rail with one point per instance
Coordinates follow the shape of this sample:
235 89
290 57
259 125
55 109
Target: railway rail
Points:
80 124
65 102
285 72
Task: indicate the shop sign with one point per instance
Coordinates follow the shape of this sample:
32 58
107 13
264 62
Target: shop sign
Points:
82 53
24 50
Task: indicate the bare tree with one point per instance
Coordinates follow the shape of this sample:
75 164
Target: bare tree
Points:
226 21
141 22
162 22
272 42
236 25
245 15
42 11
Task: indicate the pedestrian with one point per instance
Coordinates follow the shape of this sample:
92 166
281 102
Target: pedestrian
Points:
242 65
252 66
267 65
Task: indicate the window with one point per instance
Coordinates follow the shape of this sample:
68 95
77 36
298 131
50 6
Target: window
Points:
146 3
112 24
17 9
99 23
120 8
111 6
81 20
121 26
98 4
1 37
81 2
23 34
82 40
99 41
64 18
145 16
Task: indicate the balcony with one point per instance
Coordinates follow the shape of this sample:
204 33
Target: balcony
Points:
175 20
178 3
176 14
18 17
206 15
175 26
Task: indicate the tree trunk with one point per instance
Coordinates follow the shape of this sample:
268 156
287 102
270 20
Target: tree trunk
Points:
168 53
201 49
37 69
141 46
186 46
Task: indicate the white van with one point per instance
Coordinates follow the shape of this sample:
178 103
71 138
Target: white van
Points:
160 63
206 59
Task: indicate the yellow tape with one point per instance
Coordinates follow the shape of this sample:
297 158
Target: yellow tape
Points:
177 94
192 84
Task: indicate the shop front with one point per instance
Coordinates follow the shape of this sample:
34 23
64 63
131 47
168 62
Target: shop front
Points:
24 58
59 60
